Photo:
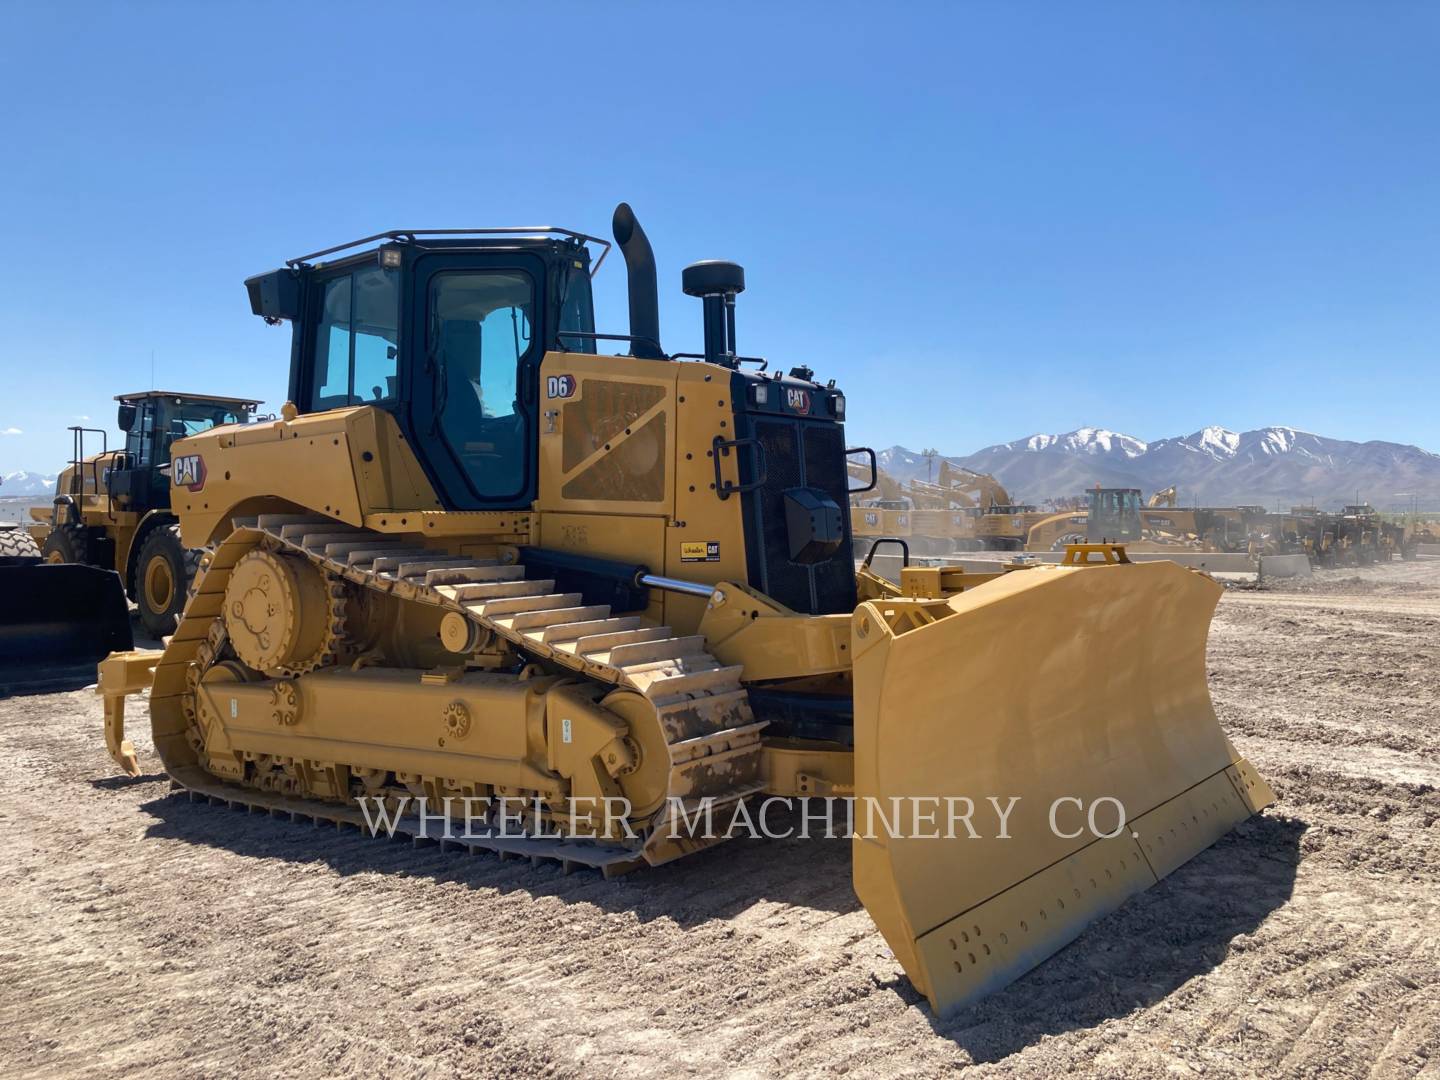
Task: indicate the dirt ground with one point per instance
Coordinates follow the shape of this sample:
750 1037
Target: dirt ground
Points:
144 935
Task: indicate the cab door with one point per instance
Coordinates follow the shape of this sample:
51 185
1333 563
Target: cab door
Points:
477 338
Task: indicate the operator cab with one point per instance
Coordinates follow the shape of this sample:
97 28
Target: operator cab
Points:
1114 516
151 421
445 330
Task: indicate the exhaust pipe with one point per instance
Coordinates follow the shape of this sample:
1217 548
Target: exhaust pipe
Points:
644 291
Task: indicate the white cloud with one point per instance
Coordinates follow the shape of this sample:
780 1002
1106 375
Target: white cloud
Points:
82 418
11 431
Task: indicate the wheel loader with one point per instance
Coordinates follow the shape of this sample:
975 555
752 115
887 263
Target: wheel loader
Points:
112 509
477 559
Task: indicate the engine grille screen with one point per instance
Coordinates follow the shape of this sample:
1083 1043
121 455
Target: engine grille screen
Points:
798 454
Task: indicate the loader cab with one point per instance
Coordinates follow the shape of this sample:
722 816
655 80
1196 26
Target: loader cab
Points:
446 333
1114 516
152 420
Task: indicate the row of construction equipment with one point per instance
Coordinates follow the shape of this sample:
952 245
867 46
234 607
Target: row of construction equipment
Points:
966 511
473 556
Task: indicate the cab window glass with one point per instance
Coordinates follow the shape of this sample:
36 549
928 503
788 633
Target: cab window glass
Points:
137 439
481 332
356 339
577 310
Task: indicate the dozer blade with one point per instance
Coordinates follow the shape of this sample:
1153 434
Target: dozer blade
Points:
1058 687
57 621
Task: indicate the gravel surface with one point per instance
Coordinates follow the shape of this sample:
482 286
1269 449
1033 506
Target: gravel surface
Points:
146 935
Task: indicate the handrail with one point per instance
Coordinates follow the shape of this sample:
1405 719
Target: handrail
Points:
406 235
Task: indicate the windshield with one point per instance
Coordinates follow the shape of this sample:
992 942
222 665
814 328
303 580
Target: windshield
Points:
193 417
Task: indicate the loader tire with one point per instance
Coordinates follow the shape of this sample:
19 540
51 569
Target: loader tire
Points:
67 544
17 547
164 570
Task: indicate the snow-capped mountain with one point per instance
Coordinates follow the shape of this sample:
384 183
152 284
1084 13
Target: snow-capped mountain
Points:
26 483
1214 466
1095 442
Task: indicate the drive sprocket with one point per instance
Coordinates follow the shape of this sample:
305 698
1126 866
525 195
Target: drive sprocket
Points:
282 614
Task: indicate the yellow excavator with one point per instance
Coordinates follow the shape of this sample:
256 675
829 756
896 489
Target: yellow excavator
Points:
880 509
476 559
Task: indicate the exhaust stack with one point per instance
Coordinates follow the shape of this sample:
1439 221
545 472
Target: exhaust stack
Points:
644 292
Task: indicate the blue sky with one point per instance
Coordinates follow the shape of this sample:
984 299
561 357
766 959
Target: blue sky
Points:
984 220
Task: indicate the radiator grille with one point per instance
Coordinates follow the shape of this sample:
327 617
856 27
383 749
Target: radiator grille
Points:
799 454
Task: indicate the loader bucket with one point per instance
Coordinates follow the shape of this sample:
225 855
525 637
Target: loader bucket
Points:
57 621
1047 684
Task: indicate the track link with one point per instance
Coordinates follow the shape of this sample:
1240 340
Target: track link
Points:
700 704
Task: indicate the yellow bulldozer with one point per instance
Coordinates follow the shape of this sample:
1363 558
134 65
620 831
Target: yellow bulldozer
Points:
112 509
477 560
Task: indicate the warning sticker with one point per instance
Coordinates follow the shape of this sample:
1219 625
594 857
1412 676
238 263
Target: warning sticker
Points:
700 551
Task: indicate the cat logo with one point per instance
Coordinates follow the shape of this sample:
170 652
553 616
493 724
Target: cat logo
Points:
188 472
872 518
561 386
798 400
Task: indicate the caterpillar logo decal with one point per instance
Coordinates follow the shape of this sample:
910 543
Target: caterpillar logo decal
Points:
188 472
561 386
797 399
872 518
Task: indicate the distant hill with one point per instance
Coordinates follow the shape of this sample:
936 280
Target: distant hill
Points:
26 483
1213 466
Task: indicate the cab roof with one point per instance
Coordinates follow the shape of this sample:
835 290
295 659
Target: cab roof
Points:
499 236
213 399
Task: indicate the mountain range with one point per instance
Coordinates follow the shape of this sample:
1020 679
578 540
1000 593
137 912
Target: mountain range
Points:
1213 466
26 483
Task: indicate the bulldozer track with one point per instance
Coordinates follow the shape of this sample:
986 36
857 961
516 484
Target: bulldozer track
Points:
700 704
